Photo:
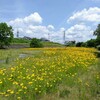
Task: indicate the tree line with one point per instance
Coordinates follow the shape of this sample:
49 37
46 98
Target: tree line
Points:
7 36
92 42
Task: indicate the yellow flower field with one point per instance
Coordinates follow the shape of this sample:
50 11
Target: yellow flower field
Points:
31 77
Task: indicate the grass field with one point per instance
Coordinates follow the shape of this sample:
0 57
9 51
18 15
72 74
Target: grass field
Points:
50 74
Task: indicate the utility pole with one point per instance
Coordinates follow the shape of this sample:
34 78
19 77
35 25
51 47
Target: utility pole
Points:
64 37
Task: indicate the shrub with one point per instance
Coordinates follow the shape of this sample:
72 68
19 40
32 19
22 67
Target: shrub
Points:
98 47
36 43
98 41
79 44
84 44
91 43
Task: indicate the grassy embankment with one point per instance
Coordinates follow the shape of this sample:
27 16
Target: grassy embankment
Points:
25 43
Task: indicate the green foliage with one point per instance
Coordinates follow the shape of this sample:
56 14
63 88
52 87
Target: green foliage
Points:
6 35
98 47
84 44
51 44
36 43
97 31
98 52
98 41
91 43
79 44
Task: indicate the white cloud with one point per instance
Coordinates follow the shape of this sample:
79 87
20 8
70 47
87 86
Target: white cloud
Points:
27 28
31 26
77 28
57 36
33 31
29 32
92 15
62 29
33 19
86 21
38 31
50 27
79 32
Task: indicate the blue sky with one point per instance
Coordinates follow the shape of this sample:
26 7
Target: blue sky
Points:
37 18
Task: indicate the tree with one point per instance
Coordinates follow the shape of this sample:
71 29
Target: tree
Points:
98 41
97 31
6 35
91 43
79 44
84 44
36 43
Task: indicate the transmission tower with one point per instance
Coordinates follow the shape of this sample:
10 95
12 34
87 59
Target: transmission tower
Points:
17 34
64 37
49 36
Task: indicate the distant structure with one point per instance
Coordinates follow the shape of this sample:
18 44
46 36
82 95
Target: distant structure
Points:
69 43
27 38
44 39
49 36
64 37
17 33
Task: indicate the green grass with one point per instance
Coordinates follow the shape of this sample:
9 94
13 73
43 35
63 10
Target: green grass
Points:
9 53
52 44
9 56
20 40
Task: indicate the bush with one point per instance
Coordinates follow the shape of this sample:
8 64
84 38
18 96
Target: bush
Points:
79 44
98 47
98 54
91 43
98 41
36 43
84 44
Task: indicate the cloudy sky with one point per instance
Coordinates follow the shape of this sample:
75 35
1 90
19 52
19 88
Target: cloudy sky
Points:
38 18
